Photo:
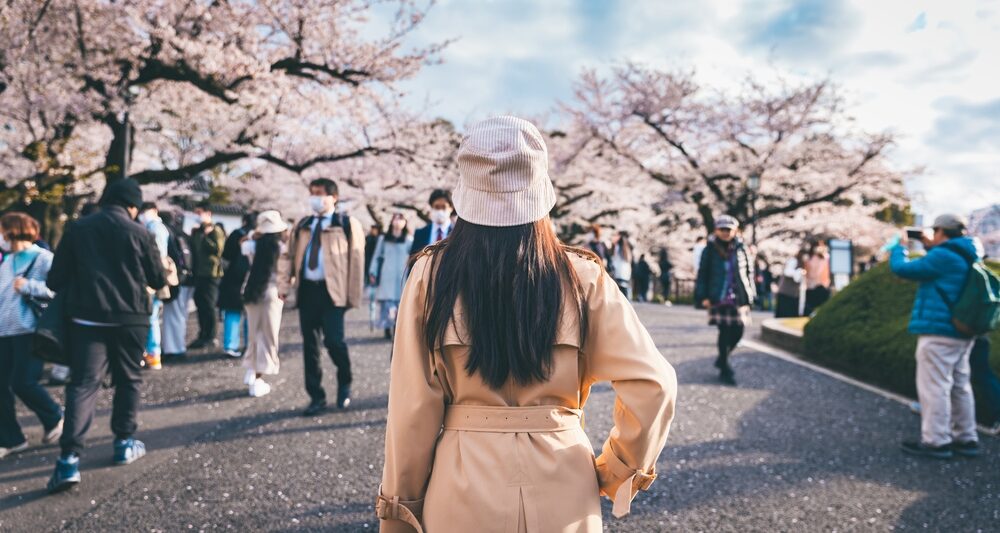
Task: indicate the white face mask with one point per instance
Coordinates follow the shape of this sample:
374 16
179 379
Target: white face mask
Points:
4 245
317 204
440 216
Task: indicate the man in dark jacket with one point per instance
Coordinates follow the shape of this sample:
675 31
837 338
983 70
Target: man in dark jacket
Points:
237 266
105 264
725 287
947 414
441 222
207 242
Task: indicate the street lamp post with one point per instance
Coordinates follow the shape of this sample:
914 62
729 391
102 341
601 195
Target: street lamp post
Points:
753 184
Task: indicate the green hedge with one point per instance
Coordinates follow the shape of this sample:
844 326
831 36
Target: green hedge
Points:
862 332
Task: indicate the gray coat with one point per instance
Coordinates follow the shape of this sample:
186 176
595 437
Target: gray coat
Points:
393 257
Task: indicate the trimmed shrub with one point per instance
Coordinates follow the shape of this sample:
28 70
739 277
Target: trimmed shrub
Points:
862 332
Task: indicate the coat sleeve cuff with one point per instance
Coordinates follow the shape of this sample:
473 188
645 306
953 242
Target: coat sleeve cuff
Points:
397 515
621 483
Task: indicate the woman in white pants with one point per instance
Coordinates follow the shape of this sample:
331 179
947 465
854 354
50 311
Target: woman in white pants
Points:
260 297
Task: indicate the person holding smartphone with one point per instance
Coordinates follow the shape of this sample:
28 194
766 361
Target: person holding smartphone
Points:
947 408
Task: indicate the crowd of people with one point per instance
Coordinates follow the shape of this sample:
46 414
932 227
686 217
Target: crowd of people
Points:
128 274
125 274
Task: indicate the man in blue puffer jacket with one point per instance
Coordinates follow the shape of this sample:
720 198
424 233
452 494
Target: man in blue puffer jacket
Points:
947 418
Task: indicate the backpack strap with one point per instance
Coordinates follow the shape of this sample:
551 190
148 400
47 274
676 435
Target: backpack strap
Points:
345 223
31 265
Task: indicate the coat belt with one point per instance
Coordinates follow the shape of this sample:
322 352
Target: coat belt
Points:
490 419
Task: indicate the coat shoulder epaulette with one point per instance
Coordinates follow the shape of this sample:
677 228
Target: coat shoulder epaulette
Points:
583 253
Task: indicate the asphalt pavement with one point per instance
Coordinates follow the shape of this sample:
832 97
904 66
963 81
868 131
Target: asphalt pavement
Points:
787 450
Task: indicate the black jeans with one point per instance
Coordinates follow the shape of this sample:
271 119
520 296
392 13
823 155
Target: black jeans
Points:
319 317
19 375
206 295
729 337
816 297
93 351
786 306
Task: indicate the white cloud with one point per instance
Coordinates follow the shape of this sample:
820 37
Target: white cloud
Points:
915 67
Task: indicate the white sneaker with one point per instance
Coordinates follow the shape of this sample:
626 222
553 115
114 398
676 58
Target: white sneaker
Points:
249 377
53 434
4 452
259 388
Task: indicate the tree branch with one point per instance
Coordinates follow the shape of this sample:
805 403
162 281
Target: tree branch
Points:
298 168
305 69
188 171
692 162
869 156
154 69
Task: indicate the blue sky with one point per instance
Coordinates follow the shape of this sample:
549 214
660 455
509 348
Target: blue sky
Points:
926 70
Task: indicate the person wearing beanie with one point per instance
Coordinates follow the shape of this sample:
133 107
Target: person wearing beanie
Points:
263 247
725 287
501 332
104 266
947 408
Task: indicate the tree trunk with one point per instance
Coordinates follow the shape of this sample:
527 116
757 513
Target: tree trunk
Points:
120 151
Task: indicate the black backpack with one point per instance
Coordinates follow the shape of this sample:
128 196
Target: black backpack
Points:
179 250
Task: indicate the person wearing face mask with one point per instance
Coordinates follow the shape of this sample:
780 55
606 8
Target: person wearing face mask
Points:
149 217
22 276
324 277
725 287
207 243
387 270
441 221
104 265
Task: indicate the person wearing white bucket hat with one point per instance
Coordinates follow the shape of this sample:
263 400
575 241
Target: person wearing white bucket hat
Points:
501 332
260 297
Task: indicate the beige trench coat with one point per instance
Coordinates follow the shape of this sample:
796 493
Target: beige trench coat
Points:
343 263
460 456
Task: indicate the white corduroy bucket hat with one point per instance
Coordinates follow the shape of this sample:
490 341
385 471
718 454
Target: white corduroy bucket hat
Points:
504 169
270 222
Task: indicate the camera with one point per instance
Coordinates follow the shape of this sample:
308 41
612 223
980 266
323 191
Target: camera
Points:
915 233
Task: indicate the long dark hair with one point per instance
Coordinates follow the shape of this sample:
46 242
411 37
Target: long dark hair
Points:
512 284
265 261
623 247
389 237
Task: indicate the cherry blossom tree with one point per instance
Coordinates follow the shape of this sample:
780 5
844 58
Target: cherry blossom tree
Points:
697 148
92 90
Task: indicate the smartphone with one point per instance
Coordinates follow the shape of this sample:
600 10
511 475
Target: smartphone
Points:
915 233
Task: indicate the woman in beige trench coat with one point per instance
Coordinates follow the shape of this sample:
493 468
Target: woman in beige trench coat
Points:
485 430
